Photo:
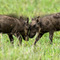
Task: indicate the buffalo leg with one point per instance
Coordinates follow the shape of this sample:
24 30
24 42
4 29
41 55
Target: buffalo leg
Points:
38 37
51 36
11 38
19 38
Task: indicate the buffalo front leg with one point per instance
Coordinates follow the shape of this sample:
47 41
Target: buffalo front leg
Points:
51 36
38 37
11 38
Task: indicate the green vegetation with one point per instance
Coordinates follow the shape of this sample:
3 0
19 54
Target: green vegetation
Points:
43 50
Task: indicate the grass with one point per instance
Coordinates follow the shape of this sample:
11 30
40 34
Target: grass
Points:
43 50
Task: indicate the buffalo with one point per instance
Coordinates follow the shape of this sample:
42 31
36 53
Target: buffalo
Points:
41 25
12 25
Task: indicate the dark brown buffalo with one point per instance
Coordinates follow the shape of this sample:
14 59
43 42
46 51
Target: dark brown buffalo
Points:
13 26
41 25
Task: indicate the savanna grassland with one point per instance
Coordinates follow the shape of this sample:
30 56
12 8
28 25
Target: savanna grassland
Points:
43 50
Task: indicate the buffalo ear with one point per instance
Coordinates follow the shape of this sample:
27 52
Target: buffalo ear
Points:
27 20
21 17
38 17
37 20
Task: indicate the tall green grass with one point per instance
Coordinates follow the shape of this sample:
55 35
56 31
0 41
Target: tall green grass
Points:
43 50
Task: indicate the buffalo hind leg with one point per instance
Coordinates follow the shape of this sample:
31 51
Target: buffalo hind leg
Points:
11 38
19 38
38 37
51 36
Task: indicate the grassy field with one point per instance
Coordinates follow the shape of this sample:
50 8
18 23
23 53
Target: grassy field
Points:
43 50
